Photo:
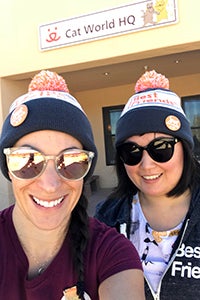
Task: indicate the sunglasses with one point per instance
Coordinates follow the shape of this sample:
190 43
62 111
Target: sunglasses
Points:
160 149
28 163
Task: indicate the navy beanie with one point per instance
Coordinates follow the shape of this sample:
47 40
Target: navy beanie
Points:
46 110
153 108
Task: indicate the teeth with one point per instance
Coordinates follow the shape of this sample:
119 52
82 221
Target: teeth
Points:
151 177
47 203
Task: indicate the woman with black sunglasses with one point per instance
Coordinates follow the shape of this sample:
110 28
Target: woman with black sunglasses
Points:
49 247
156 203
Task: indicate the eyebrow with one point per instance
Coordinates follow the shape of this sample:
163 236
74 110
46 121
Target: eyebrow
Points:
35 148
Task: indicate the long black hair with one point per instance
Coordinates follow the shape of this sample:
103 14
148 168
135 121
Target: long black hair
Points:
79 234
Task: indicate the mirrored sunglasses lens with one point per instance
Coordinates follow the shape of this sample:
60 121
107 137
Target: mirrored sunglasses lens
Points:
73 165
25 164
130 153
161 150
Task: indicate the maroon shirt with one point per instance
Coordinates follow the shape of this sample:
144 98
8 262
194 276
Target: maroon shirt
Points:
108 252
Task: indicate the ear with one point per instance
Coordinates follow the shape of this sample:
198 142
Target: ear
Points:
10 176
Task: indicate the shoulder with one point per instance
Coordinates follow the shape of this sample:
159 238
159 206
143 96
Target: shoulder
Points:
7 231
101 233
105 238
195 200
196 193
109 251
113 211
112 204
98 228
6 215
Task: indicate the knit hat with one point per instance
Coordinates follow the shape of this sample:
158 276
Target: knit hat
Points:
47 106
153 108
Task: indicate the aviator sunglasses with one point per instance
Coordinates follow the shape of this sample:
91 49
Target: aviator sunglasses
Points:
29 163
160 150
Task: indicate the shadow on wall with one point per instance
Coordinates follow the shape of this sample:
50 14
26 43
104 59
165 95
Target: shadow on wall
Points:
6 194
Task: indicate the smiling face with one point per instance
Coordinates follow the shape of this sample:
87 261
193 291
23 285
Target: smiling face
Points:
152 178
48 200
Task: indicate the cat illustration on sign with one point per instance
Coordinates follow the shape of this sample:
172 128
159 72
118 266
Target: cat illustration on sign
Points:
155 13
149 14
161 10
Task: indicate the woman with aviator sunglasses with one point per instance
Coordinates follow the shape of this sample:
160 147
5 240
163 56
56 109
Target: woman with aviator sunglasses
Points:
49 247
156 203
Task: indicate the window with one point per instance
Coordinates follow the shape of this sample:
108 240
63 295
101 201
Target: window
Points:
110 116
191 106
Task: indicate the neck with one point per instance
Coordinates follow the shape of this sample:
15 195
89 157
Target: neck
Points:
40 246
165 213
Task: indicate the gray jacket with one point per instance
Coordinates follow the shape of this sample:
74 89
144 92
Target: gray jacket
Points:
181 280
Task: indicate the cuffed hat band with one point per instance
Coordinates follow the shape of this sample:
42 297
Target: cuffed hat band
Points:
154 110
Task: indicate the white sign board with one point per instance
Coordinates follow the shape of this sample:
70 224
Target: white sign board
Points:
119 20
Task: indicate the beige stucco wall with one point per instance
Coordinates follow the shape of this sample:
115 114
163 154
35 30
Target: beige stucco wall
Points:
20 20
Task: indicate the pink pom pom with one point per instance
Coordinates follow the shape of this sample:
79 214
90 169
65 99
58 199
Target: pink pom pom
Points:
48 81
151 80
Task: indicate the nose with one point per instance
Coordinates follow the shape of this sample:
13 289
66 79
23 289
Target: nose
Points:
146 161
49 180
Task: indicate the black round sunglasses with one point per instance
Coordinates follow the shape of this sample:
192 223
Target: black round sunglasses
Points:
160 149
